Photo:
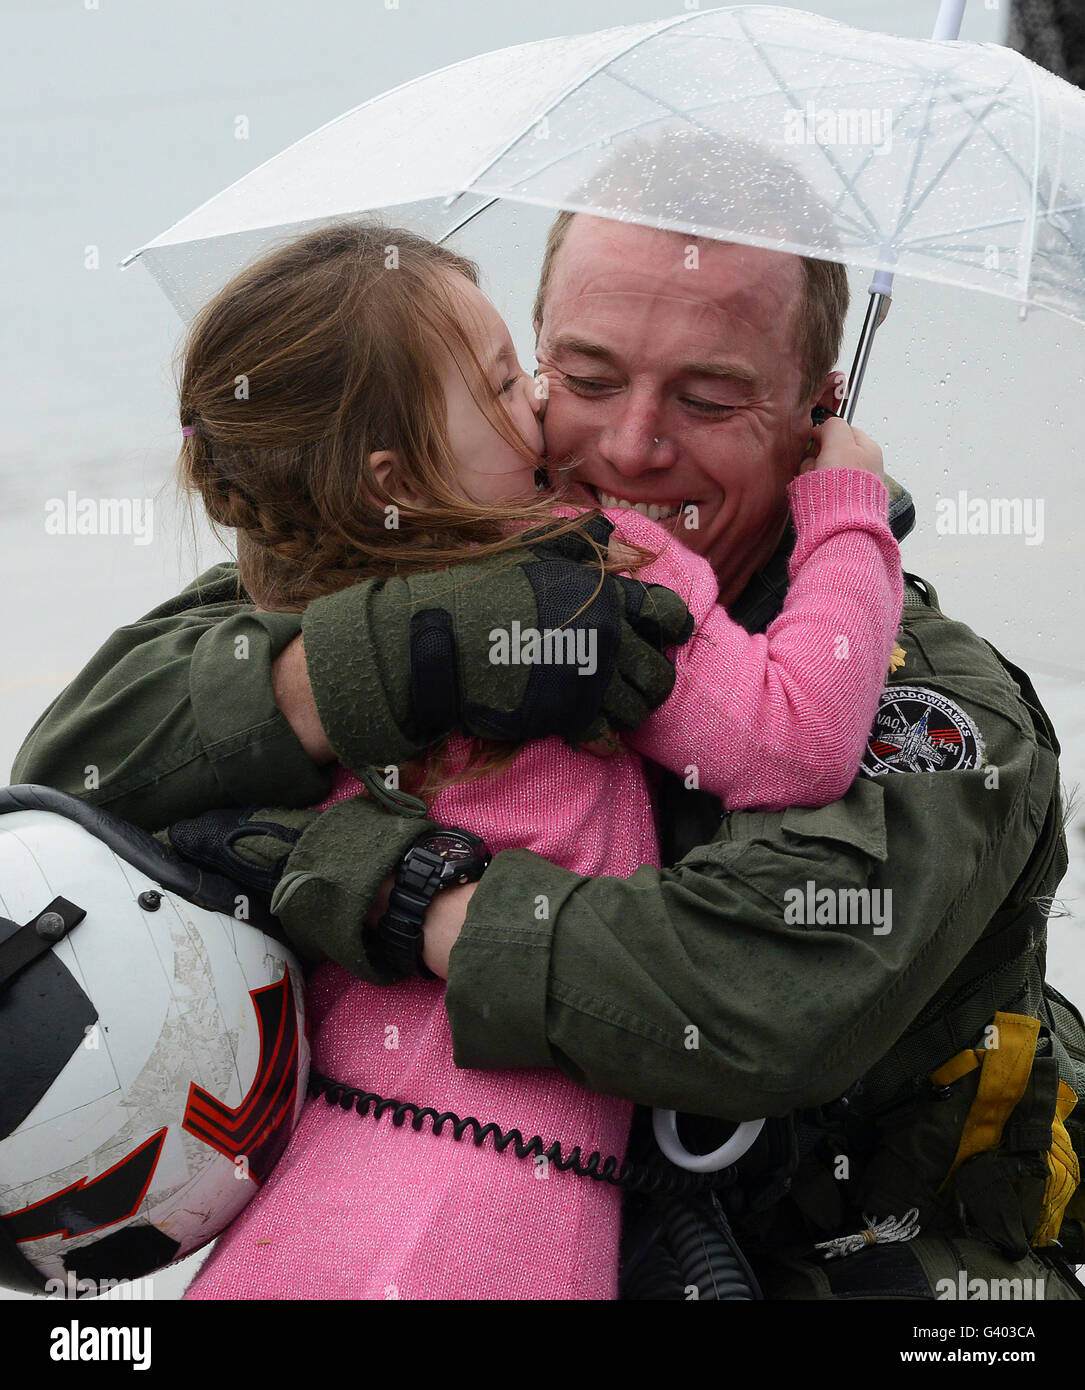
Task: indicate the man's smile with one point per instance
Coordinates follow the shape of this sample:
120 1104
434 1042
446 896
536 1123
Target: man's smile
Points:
654 511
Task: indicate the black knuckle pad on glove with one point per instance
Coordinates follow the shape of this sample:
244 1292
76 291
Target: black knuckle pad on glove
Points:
665 609
565 694
649 672
634 597
643 680
435 686
208 841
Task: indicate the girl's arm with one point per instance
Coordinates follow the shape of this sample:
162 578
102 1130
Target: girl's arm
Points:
782 718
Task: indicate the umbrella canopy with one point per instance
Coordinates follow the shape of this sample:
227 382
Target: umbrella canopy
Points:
955 162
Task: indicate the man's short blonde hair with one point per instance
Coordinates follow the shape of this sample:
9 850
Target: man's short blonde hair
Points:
821 312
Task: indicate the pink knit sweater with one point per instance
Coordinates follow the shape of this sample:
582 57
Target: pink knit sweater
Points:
363 1209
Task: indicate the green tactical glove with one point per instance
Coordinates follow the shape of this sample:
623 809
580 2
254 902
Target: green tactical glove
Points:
400 664
319 871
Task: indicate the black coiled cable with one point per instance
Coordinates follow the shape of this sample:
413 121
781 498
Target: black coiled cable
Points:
648 1177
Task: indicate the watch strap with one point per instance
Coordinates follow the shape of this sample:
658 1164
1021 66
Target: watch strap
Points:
400 929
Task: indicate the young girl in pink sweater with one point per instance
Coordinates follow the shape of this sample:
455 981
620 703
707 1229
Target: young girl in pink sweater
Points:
361 1208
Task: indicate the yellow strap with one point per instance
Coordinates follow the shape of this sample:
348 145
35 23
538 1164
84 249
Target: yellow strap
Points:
958 1066
1063 1171
1004 1074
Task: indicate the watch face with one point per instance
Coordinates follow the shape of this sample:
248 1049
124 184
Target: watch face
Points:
449 845
464 856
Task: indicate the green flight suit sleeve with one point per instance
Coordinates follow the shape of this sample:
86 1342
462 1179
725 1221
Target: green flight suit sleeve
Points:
175 714
689 988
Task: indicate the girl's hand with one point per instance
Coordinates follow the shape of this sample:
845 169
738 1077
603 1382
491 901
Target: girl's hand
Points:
839 445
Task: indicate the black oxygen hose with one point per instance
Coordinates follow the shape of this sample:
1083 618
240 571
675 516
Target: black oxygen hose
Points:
690 1253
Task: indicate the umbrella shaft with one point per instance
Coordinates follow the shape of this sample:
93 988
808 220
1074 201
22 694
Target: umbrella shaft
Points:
946 26
948 23
875 315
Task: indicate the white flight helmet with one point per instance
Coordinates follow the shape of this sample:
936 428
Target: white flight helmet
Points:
153 1050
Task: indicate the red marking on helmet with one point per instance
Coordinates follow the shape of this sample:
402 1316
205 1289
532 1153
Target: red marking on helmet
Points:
104 1200
259 1126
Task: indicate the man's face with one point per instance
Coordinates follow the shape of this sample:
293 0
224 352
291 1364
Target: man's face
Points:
673 381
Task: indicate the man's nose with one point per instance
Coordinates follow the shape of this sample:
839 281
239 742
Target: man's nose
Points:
633 442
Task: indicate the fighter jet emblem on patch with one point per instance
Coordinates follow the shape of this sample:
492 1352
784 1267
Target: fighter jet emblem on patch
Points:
918 730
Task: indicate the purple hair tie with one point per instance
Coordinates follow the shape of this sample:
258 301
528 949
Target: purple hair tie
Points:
188 429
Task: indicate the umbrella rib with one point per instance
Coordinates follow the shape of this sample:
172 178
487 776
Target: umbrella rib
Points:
1018 294
849 185
917 243
861 170
690 228
906 65
993 138
936 254
860 202
1010 158
990 227
964 142
1026 268
688 116
465 220
574 87
908 208
344 115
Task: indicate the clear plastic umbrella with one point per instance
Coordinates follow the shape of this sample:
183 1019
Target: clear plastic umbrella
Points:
954 162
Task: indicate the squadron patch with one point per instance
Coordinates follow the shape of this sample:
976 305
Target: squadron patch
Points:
918 730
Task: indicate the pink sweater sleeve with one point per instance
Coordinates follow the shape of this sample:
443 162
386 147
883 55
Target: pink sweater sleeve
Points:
782 718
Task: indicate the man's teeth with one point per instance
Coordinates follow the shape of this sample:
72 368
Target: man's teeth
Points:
652 510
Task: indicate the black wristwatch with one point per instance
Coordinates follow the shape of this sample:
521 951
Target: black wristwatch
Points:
440 859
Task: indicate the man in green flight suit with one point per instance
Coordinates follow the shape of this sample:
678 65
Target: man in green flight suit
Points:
870 1046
